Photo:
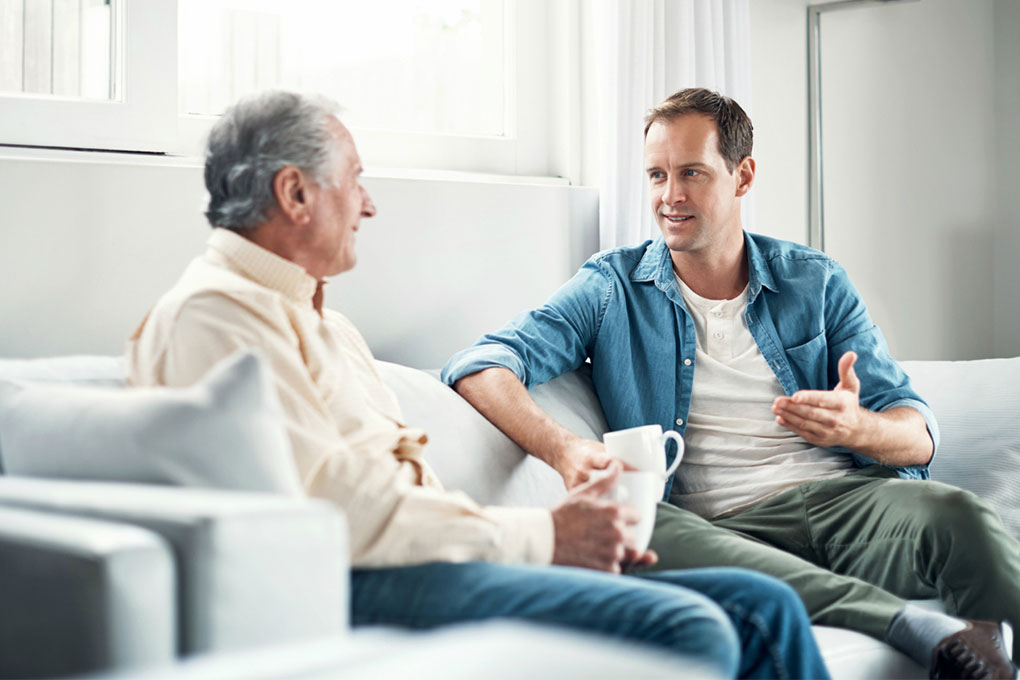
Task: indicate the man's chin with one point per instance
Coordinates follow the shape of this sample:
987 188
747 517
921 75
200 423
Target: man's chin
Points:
677 242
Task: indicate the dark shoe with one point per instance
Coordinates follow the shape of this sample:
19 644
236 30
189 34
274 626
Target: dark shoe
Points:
977 651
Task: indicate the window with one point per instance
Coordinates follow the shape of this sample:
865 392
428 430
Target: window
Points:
424 83
59 47
120 104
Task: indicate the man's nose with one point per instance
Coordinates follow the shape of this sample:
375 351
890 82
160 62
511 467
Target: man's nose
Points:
367 206
673 193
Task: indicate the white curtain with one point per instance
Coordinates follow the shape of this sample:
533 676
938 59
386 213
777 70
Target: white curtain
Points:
648 49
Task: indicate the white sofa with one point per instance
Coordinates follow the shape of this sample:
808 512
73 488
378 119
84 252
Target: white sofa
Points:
977 404
228 551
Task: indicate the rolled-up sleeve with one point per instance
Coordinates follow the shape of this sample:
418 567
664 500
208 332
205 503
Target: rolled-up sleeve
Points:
884 384
543 343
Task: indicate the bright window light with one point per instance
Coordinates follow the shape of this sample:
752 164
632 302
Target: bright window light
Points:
429 66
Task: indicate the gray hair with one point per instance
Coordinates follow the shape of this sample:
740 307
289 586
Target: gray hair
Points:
253 140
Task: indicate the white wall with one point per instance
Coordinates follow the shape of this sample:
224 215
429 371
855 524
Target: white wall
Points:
910 169
779 115
89 242
1007 238
913 164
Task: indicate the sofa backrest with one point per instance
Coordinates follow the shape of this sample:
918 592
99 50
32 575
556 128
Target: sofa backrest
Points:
977 404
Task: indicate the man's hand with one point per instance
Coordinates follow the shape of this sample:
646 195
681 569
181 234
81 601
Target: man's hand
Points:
590 531
577 461
826 417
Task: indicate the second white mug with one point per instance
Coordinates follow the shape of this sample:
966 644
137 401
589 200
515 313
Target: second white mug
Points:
642 491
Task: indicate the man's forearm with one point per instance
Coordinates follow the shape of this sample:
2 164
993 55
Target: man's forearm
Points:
898 436
501 397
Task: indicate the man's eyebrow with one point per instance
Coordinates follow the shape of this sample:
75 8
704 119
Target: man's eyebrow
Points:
682 166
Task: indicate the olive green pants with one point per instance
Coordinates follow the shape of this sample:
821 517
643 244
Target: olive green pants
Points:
856 547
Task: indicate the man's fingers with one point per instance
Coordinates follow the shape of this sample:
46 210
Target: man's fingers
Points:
649 558
601 484
628 514
823 417
820 398
847 375
642 559
805 428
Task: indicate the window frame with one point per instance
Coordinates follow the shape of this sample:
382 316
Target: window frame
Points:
146 116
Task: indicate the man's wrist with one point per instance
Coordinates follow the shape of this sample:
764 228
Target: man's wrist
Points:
557 452
862 436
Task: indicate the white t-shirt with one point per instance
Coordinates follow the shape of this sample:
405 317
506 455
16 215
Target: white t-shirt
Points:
736 455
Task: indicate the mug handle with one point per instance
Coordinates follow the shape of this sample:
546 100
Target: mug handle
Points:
675 436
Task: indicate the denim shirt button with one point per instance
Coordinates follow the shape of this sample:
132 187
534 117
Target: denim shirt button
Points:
679 421
687 362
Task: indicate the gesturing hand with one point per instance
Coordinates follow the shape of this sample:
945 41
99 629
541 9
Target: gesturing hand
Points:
826 417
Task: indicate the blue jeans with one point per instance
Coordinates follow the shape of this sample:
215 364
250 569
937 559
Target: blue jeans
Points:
743 623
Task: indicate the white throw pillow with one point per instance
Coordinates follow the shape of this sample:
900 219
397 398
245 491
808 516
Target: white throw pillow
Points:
225 432
977 405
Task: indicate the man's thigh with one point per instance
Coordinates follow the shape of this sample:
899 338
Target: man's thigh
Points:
780 547
684 540
435 594
914 538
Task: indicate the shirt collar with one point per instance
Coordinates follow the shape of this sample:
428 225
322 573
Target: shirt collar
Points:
263 266
656 265
758 268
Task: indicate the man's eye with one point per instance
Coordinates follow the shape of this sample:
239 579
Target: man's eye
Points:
656 175
690 172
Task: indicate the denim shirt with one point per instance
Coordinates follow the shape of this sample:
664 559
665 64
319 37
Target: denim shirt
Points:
623 311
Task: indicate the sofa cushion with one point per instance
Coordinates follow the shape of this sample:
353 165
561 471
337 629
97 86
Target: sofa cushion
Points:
81 369
249 568
977 404
82 595
466 451
226 431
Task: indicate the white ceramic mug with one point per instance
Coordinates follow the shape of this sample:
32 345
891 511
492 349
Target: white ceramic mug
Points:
644 449
642 491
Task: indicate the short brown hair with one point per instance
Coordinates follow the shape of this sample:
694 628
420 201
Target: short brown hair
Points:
736 135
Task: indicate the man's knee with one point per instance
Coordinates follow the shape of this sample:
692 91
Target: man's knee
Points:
765 597
707 633
951 509
957 520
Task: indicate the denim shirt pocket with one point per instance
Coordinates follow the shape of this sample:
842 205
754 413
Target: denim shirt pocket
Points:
809 363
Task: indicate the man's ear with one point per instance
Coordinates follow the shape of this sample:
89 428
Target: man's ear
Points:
292 194
745 175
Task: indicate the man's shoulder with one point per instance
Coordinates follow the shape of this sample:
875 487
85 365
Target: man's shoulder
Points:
202 281
206 299
778 249
205 290
787 259
622 260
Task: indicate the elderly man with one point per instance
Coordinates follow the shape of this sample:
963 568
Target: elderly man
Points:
285 200
802 434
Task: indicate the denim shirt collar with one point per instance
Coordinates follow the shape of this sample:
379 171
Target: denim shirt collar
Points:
656 265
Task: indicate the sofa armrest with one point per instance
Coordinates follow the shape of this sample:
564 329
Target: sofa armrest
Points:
82 595
252 568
